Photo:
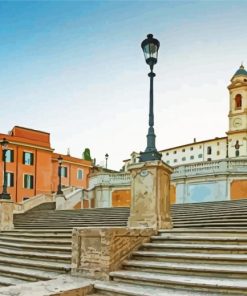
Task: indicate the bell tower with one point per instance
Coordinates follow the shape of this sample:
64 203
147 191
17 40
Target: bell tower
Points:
237 134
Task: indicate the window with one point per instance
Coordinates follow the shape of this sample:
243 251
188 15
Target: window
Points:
237 153
218 152
175 160
9 156
27 158
80 174
64 172
238 101
218 143
200 147
175 152
192 157
167 153
209 150
168 161
183 158
200 156
183 150
28 181
209 159
191 148
10 179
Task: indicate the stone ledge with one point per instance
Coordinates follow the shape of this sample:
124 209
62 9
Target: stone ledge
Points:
61 286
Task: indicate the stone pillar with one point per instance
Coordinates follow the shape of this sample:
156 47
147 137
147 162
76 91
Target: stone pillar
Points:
6 214
150 195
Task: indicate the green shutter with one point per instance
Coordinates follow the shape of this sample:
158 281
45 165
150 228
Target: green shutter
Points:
31 182
12 155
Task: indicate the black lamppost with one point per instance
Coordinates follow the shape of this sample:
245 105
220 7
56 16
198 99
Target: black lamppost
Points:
59 187
150 47
4 194
106 159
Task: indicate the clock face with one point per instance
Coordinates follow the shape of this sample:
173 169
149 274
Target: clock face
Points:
237 122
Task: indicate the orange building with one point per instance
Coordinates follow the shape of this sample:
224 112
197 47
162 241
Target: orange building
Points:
32 166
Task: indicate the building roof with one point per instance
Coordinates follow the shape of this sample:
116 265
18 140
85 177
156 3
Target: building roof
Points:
240 71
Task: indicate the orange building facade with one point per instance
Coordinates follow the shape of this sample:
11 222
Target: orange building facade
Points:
32 166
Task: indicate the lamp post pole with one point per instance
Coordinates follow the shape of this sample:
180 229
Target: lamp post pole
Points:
150 47
4 194
59 187
106 159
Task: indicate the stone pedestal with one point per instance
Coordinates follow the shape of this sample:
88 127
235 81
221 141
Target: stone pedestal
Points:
150 195
6 214
60 201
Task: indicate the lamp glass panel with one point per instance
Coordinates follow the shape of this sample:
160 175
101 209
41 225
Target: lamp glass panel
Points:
150 51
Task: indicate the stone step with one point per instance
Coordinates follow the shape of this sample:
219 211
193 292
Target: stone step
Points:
44 265
27 274
36 247
210 219
171 238
222 285
44 255
117 288
41 241
44 236
205 248
208 230
218 258
223 270
211 224
9 281
35 231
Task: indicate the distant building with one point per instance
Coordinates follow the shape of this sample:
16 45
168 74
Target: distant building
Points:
210 170
32 166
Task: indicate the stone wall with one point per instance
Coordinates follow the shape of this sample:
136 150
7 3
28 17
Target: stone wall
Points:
98 251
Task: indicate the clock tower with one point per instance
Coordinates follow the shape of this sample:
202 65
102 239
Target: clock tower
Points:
237 134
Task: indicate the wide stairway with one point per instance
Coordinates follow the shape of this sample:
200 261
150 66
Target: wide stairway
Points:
184 262
206 252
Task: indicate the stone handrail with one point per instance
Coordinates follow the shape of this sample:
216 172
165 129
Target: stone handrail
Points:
223 166
32 202
68 201
109 179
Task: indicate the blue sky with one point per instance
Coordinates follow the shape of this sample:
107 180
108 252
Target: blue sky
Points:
76 70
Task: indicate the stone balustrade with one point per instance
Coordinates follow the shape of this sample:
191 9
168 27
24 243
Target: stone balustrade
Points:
224 166
32 202
117 179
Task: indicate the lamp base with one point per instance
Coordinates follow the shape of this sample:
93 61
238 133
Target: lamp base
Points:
150 155
5 196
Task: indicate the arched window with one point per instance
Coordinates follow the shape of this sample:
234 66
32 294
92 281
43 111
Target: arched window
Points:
238 101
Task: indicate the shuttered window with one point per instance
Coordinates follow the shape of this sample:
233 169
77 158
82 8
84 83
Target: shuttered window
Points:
28 181
27 158
10 179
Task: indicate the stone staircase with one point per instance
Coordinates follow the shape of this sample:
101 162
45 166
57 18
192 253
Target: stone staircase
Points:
67 219
184 262
33 255
210 214
205 254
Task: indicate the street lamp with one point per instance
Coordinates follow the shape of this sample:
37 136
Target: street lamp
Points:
4 194
106 159
59 187
150 47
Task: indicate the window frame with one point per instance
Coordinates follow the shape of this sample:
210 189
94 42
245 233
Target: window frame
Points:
31 159
31 181
12 178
